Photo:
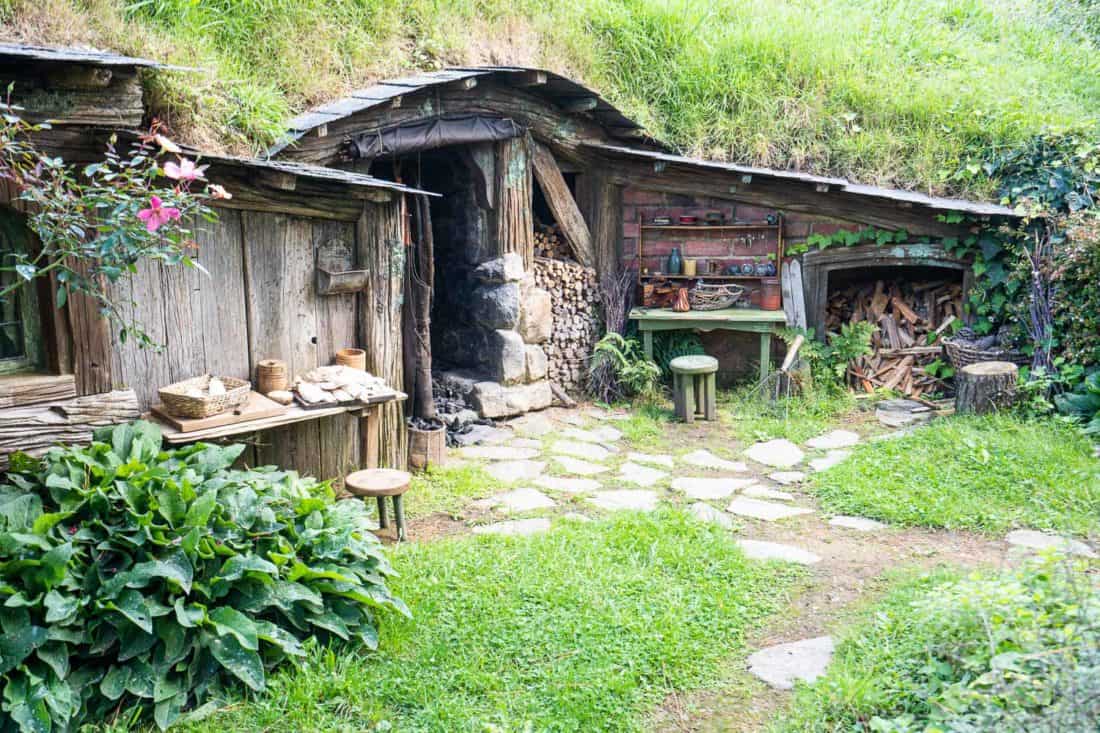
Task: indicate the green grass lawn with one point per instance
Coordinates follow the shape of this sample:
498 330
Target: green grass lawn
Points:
796 418
885 92
987 474
1012 651
447 488
583 628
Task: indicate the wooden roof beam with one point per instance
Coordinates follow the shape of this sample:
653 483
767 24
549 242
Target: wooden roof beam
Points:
527 79
579 104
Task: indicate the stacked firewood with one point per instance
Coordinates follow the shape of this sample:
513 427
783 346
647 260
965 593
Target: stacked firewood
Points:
910 318
550 243
575 295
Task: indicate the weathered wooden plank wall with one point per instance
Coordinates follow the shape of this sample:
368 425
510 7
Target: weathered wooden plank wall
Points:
259 301
514 225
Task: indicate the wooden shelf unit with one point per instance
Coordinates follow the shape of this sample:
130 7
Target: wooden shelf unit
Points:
703 229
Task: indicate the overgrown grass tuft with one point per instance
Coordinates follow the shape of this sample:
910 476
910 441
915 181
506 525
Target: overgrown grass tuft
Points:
1006 651
796 418
582 628
883 92
988 474
447 489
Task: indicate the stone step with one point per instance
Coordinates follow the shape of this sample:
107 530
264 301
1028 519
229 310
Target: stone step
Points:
798 661
710 488
515 527
760 550
766 510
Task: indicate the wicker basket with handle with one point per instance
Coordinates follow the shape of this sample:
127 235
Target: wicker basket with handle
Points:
962 354
176 401
712 297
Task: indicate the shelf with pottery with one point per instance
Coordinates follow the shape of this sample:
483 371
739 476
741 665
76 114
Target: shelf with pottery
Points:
683 265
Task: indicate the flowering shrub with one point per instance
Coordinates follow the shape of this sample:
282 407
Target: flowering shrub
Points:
136 579
95 224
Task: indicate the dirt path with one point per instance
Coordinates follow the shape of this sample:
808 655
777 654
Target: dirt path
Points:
852 571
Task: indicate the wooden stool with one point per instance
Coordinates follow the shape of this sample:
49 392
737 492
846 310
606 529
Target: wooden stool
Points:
693 387
380 483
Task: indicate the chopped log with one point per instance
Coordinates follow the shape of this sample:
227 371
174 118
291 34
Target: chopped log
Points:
561 396
985 387
562 204
34 429
514 228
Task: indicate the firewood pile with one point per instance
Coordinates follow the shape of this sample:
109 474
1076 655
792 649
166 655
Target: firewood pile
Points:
550 243
910 320
575 295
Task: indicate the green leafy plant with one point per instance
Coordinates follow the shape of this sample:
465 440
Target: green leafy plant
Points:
850 238
136 578
1015 651
829 361
636 375
1083 404
667 345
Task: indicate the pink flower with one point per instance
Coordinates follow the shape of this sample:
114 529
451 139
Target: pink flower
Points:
158 214
185 170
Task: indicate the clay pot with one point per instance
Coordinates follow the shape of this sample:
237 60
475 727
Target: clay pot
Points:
354 358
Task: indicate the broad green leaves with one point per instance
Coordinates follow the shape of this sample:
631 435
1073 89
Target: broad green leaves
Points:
135 577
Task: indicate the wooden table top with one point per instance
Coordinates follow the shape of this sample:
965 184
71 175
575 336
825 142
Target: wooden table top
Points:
725 315
293 414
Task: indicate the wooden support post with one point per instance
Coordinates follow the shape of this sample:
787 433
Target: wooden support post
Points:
985 387
562 204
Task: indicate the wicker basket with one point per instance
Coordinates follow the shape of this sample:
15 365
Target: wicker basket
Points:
176 401
712 297
962 354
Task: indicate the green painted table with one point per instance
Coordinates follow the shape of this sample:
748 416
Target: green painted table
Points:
730 319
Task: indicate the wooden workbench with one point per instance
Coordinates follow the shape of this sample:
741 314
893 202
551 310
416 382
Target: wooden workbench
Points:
368 413
751 320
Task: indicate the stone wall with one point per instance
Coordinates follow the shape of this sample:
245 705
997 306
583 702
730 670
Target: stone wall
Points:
574 293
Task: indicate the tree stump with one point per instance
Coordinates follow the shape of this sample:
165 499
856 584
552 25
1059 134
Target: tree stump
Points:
985 387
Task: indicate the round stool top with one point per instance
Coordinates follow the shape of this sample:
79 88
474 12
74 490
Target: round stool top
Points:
378 482
696 364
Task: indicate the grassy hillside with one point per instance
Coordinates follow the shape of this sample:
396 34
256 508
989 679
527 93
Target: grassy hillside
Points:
899 92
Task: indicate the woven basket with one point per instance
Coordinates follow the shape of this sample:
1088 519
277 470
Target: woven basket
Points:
178 403
961 354
712 297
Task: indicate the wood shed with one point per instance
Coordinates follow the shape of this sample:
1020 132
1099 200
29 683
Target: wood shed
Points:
532 190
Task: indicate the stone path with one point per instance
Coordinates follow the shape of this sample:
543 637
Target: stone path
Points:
625 499
514 527
757 499
1031 539
778 453
798 661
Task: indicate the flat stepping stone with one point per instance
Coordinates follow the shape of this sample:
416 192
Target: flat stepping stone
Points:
587 451
778 453
829 460
498 453
706 513
706 459
787 478
572 419
834 439
760 491
798 661
625 499
579 467
511 471
1035 540
768 511
642 475
760 550
710 488
524 500
654 460
482 434
568 485
525 443
899 413
607 415
861 524
532 425
602 434
515 527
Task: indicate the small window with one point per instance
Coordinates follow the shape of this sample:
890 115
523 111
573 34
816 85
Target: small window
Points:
20 345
